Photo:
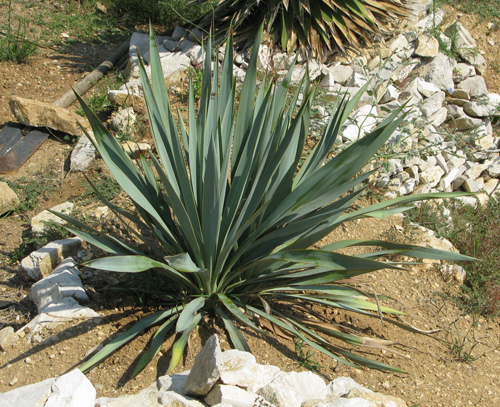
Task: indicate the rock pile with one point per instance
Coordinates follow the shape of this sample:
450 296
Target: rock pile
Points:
222 379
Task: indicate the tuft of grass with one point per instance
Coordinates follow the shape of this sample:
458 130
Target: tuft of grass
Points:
14 44
305 358
106 185
474 232
167 13
485 9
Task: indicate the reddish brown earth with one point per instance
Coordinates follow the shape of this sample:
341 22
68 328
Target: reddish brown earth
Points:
435 375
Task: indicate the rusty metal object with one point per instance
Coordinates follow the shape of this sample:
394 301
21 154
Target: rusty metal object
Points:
16 148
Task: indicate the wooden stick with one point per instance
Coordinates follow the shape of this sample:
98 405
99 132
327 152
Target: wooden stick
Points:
91 79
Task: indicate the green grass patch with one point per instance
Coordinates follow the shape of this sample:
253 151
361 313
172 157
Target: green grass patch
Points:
30 192
485 9
14 43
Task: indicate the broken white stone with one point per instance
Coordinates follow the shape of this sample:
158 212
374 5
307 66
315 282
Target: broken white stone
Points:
474 86
41 262
427 46
232 395
56 298
362 121
83 154
124 120
463 71
431 176
390 94
38 225
341 73
432 104
292 389
169 398
427 89
70 390
465 122
439 71
134 149
205 371
439 117
488 106
8 338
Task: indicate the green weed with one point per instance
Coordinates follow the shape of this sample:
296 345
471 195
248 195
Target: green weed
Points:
14 45
31 191
106 185
305 359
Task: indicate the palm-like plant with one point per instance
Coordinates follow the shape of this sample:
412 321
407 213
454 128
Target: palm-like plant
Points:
233 211
316 26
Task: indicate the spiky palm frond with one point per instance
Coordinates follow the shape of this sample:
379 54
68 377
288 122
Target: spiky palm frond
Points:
317 27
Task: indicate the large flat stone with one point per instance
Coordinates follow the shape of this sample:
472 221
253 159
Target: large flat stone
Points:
38 114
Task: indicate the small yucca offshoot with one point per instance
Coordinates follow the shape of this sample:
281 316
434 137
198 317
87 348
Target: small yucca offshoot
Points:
318 27
234 210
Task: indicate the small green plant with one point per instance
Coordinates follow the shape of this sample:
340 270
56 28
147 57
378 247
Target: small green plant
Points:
228 211
31 191
102 187
14 44
461 344
305 358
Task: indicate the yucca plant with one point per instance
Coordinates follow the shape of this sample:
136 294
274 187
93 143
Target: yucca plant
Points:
318 27
234 210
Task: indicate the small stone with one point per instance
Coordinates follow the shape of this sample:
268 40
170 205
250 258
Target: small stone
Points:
474 86
8 338
427 46
38 222
136 149
8 198
432 176
467 123
463 71
427 89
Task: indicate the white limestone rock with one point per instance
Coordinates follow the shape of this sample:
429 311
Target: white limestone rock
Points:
340 74
427 89
427 46
124 120
292 389
147 397
72 389
439 71
8 338
232 395
56 299
488 106
431 176
169 398
463 71
83 154
433 104
361 122
465 122
493 167
41 262
175 382
474 86
391 93
205 371
38 222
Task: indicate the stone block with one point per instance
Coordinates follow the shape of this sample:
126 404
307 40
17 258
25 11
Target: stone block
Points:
8 198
